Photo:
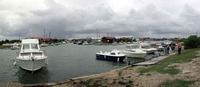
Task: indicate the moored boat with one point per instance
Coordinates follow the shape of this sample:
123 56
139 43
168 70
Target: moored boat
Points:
44 45
15 47
114 55
31 57
134 51
146 47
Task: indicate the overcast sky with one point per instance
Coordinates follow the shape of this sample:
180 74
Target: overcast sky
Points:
82 18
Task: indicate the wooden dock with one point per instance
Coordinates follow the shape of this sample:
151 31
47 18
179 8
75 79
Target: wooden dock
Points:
152 61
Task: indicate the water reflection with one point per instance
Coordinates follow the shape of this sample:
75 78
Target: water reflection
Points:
27 77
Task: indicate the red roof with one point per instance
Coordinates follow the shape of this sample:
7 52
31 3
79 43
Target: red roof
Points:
40 38
108 37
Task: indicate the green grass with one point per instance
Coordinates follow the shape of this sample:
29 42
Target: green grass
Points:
176 83
163 65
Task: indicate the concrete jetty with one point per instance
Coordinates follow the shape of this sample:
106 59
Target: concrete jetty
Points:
152 61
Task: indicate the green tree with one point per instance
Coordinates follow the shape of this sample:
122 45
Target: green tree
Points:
192 42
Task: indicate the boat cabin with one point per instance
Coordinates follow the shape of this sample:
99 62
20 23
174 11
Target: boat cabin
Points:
134 46
145 46
30 44
115 52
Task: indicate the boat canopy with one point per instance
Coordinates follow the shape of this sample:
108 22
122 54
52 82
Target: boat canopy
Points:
30 41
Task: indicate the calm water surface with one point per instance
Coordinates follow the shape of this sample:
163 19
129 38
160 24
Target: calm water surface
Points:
65 62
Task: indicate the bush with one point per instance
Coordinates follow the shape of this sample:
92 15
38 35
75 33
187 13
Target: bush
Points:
192 42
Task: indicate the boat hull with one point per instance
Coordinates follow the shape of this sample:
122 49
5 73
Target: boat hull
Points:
134 55
110 58
32 65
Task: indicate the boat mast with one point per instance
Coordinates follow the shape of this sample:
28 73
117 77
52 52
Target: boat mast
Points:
97 34
44 33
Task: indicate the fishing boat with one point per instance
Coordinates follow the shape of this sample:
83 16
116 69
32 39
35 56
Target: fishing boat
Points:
134 51
114 55
31 57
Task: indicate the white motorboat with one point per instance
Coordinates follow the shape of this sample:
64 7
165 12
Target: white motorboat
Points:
134 51
15 47
44 45
114 55
160 48
146 47
30 57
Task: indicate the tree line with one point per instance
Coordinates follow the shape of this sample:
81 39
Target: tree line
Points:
9 41
192 41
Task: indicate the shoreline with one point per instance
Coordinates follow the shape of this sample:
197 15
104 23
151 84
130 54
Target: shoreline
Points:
11 84
128 76
72 79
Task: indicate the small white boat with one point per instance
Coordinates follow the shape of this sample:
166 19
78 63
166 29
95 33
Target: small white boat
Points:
85 43
134 51
114 55
146 47
44 45
160 48
15 47
30 57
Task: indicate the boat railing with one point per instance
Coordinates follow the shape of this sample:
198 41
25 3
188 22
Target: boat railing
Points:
130 50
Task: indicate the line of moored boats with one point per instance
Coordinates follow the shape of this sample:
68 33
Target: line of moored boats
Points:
134 50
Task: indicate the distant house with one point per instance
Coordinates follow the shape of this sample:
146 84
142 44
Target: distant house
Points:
108 39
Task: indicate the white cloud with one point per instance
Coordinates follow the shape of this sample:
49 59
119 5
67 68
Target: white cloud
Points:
64 18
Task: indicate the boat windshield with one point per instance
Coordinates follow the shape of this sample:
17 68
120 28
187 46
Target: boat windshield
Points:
26 46
128 47
132 47
112 53
135 46
34 46
146 46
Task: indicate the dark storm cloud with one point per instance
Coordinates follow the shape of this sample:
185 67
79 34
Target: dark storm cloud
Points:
63 22
79 19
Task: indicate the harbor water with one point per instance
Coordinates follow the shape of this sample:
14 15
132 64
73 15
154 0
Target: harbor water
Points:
64 62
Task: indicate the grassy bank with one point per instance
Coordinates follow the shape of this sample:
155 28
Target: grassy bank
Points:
165 66
176 83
